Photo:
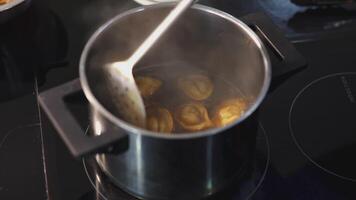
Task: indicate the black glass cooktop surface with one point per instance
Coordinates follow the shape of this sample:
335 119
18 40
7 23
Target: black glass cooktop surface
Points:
306 142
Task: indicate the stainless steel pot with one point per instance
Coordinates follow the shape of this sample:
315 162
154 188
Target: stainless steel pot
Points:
174 166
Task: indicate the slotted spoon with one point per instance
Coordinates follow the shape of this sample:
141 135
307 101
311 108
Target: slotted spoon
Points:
129 102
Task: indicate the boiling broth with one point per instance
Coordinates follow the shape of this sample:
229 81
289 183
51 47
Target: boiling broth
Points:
170 96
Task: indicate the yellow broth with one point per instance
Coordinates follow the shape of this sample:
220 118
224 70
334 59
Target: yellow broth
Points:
171 96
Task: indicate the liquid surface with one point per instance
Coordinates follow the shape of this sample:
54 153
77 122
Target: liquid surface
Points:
191 98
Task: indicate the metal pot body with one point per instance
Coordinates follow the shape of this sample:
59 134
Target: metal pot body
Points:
154 168
182 166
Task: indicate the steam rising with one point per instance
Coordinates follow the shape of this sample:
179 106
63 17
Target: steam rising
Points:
199 41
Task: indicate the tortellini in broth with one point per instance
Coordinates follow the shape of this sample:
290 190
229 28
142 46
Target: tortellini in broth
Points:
185 103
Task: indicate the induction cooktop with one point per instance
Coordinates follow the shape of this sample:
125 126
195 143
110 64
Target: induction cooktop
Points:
306 141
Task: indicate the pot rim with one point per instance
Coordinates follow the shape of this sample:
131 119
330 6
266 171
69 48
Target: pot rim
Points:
131 129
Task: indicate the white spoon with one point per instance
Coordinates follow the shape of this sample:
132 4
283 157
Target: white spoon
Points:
129 104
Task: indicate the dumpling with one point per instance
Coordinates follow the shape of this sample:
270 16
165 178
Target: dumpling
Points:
147 85
193 117
159 119
196 86
229 111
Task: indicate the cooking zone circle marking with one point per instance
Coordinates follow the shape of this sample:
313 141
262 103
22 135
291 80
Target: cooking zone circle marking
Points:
98 183
322 123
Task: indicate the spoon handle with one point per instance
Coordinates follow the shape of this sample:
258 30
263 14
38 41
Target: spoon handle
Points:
160 29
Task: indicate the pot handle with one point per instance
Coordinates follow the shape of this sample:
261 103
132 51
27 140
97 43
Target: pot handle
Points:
53 103
290 60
